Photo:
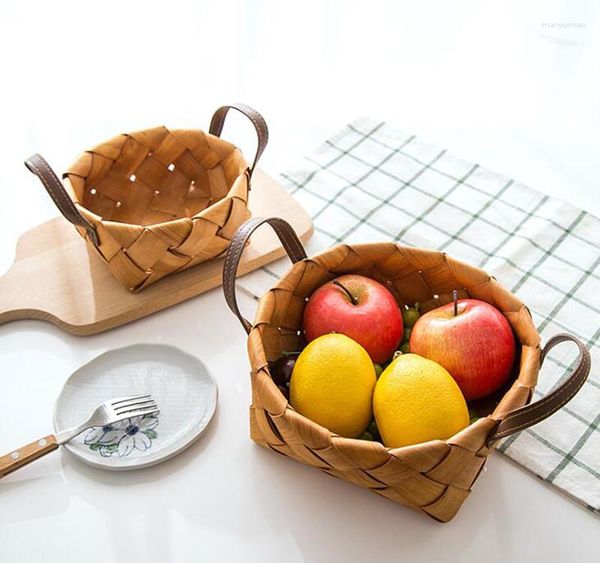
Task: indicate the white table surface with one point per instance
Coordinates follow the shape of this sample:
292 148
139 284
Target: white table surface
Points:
499 85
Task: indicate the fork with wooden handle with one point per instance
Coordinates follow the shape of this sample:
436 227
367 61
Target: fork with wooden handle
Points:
105 414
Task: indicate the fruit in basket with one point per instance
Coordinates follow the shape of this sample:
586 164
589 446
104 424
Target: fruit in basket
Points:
360 308
373 430
416 400
407 333
332 384
284 391
281 369
410 315
472 340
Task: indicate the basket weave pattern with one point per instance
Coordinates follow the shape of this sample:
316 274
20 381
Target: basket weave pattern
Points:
160 200
433 477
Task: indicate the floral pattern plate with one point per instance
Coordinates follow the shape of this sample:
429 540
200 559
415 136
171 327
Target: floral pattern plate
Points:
180 383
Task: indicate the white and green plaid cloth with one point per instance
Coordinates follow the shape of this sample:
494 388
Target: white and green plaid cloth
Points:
372 182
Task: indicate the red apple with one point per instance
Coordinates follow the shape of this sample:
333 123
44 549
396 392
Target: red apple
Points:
360 308
476 345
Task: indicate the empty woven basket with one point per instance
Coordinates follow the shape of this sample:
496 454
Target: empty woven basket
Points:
157 201
433 477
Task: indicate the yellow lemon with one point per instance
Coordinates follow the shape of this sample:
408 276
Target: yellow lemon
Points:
417 400
332 384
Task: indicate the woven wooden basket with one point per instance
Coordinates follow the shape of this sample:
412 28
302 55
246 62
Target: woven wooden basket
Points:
157 201
433 477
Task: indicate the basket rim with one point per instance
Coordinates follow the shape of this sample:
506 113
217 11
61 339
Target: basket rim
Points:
91 215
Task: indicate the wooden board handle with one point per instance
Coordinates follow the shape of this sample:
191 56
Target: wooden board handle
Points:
22 456
16 302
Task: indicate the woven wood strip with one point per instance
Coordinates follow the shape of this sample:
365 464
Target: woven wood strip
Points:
161 200
434 477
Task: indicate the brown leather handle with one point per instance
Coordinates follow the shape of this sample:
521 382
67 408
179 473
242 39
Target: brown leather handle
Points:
25 455
37 165
289 240
531 414
262 131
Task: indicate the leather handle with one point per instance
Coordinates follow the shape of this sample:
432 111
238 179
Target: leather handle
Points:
289 240
260 125
37 165
531 414
25 455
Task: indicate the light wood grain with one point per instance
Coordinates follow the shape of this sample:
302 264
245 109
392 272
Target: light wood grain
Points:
22 456
56 278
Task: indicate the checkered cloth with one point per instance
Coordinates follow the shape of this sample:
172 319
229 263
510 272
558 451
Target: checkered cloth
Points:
371 182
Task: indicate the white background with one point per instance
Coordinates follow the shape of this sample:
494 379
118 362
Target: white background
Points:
495 83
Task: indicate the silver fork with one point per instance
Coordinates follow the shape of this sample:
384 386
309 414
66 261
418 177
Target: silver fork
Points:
106 413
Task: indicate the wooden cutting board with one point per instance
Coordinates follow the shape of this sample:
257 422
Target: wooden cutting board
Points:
55 278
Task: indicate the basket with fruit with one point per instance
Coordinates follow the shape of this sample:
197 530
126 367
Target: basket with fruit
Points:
395 368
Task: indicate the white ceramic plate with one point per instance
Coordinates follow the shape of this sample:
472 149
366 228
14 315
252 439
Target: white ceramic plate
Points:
181 384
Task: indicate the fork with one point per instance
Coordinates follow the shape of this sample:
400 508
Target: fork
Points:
104 414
